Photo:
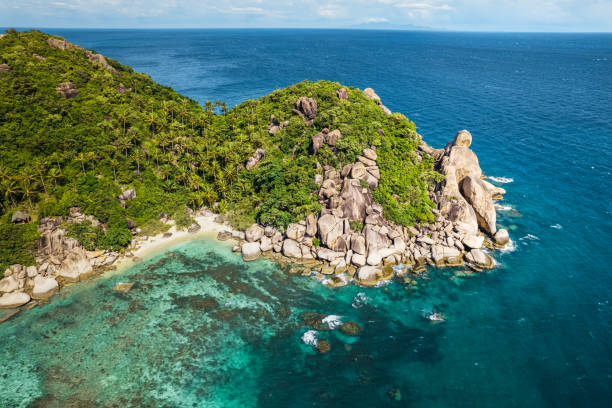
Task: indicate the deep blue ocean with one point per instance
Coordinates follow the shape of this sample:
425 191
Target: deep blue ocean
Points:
202 328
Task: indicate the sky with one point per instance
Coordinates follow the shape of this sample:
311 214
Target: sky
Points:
464 15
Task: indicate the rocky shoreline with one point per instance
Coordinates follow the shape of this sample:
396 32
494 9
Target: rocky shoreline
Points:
348 240
61 260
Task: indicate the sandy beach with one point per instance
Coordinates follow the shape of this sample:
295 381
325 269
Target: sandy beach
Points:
147 247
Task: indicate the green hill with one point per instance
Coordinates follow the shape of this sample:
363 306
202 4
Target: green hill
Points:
77 128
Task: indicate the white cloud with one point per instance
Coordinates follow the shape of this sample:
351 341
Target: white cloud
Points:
423 6
376 20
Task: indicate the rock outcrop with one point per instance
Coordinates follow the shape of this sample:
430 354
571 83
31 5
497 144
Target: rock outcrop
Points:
67 90
306 108
254 160
351 234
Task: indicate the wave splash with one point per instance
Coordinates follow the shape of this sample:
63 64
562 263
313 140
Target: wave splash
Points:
502 180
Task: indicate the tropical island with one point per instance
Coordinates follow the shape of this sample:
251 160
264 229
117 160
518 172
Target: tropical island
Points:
96 159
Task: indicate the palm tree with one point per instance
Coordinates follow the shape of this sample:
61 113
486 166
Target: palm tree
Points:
138 156
125 143
152 119
39 168
54 174
81 158
92 156
114 163
10 189
124 113
28 190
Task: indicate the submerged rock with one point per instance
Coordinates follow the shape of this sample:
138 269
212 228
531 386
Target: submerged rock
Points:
351 328
124 287
323 346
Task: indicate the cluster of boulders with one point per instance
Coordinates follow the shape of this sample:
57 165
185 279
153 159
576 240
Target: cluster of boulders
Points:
67 90
351 235
60 259
276 126
96 59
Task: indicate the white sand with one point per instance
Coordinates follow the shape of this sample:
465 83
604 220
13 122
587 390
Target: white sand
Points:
148 247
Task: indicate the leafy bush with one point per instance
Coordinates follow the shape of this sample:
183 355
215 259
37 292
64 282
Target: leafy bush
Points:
17 243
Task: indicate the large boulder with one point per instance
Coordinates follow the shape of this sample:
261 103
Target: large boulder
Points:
355 200
328 255
480 199
4 68
15 299
311 225
295 231
254 233
342 94
370 94
463 138
255 159
9 284
250 251
265 244
358 244
501 237
332 137
473 241
368 274
330 229
444 255
98 59
307 106
67 90
291 249
480 259
75 266
44 288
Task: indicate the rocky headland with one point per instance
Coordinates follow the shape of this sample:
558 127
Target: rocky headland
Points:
348 240
351 238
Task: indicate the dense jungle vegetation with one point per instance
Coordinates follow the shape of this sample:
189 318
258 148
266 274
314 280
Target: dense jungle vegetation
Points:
123 130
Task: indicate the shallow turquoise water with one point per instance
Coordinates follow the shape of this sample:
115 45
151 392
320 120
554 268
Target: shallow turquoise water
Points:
202 328
535 332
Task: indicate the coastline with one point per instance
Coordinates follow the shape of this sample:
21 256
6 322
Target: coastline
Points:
150 246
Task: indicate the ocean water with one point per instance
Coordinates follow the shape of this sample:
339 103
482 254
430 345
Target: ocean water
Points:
202 328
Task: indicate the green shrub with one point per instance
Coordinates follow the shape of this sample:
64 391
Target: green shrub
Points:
17 243
356 225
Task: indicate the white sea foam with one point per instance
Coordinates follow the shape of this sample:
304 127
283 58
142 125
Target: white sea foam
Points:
360 300
499 207
556 226
310 337
502 180
333 321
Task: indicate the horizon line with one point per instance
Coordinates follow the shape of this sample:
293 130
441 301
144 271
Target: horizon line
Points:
351 28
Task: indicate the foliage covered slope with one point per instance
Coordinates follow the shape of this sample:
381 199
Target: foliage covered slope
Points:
63 152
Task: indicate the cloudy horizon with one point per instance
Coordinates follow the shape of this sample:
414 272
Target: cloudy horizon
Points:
463 15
